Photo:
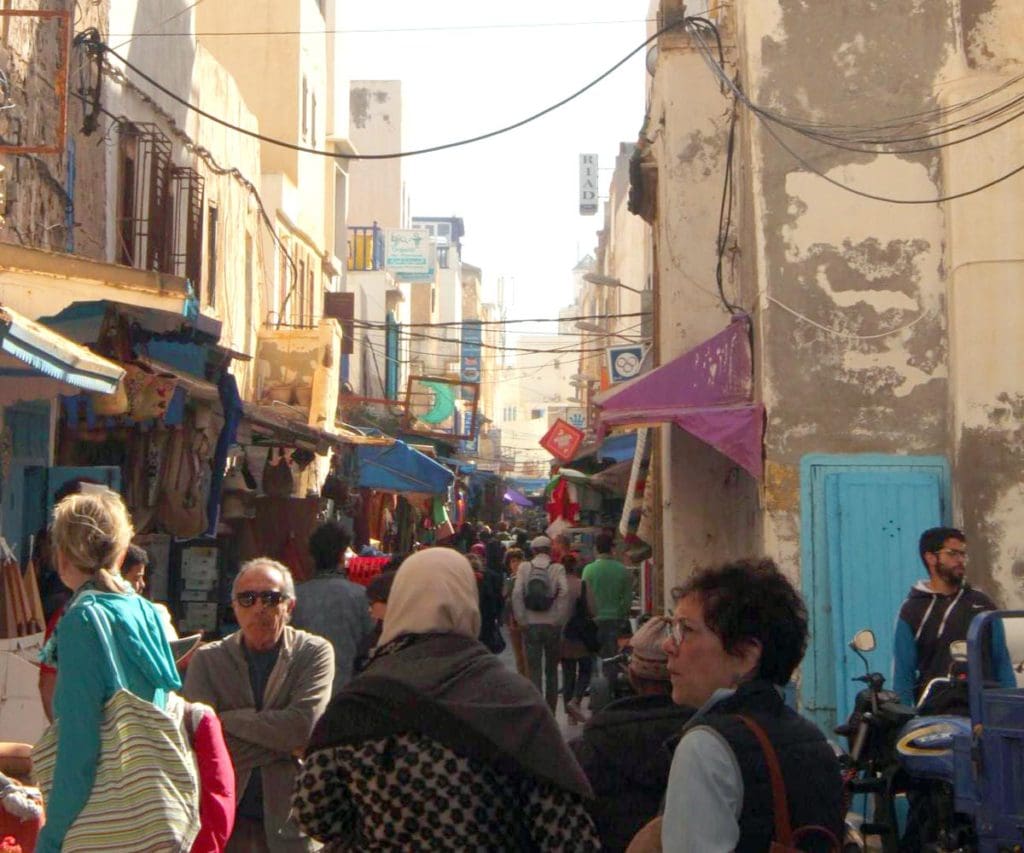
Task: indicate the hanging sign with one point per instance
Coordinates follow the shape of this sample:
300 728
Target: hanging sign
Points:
588 184
624 361
576 416
408 252
562 440
472 337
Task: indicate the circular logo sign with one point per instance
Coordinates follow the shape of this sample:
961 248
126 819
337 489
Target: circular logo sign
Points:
627 364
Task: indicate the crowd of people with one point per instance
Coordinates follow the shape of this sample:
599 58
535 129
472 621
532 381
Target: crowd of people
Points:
380 717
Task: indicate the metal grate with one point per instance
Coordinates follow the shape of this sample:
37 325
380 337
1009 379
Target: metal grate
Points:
145 157
186 236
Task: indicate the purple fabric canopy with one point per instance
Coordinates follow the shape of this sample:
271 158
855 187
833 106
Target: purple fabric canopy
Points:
517 498
707 391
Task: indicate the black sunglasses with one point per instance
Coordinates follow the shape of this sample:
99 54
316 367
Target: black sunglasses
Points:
269 597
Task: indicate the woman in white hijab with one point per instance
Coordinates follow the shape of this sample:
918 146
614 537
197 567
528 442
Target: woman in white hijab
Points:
436 745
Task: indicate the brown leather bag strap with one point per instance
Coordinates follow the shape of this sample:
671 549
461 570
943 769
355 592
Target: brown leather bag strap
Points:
780 803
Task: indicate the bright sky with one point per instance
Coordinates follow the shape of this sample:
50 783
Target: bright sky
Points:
517 193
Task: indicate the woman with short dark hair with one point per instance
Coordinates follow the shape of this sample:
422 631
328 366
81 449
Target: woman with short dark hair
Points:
738 633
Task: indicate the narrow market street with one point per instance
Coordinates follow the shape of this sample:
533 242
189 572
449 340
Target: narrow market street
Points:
341 343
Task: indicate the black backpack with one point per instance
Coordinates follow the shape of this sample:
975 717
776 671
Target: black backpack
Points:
539 593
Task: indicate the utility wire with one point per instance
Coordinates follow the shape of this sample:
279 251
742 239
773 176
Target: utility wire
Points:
384 30
459 323
767 124
92 39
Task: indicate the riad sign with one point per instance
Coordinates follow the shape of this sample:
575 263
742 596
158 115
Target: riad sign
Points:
588 184
407 252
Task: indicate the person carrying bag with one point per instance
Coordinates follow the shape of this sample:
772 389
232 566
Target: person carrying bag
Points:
115 767
146 794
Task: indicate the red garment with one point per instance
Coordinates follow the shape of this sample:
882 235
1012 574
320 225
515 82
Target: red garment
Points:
560 503
216 785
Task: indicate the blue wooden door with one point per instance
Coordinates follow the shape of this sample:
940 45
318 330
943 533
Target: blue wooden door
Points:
862 520
873 524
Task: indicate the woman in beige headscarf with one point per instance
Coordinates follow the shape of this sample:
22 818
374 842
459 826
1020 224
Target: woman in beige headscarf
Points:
436 745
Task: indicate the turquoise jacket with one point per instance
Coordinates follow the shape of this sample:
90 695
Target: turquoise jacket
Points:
85 681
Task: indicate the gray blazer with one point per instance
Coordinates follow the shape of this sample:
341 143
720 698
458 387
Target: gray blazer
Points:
273 738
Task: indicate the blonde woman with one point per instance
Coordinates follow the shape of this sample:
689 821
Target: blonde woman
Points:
90 534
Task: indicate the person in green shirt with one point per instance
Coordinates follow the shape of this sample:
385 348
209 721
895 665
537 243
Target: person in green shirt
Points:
613 595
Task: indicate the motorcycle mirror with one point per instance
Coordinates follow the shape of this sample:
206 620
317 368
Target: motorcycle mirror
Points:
863 641
958 650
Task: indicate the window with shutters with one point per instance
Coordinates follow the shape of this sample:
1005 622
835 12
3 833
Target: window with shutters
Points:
144 159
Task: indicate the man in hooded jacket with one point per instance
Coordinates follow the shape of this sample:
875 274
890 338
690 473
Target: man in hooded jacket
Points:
938 612
624 749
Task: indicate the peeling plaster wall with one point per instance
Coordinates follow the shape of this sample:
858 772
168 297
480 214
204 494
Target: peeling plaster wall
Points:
708 506
986 251
835 272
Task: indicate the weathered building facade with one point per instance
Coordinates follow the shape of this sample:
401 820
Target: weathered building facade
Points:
811 184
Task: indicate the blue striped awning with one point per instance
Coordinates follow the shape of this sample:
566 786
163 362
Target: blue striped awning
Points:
54 355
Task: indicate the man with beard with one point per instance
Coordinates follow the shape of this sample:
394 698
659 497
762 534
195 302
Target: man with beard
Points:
938 612
269 683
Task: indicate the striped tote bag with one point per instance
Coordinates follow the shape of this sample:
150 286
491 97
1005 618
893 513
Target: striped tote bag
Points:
146 794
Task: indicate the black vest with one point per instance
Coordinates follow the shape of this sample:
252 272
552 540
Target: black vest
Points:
809 766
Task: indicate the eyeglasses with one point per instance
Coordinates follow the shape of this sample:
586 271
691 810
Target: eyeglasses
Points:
678 629
955 553
269 597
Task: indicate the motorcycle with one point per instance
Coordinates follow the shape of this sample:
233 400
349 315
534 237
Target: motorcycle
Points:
957 770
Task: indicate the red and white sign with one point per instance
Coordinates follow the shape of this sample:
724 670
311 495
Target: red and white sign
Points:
562 440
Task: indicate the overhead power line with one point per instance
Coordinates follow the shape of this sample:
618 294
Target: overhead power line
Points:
697 26
459 323
92 40
385 30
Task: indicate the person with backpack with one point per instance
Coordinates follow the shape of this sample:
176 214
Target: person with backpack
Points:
540 603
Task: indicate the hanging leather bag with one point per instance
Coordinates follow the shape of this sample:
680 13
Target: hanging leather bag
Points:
277 475
786 839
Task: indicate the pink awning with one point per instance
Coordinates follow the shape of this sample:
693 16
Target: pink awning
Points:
707 391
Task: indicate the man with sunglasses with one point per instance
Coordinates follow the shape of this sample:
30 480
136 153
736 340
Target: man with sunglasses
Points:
269 683
937 612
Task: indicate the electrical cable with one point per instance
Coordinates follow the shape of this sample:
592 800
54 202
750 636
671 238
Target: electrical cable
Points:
202 153
459 323
766 123
91 39
725 213
843 132
387 30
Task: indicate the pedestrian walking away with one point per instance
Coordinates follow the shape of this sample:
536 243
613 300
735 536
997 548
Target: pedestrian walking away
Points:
330 605
540 602
579 641
269 683
613 596
437 746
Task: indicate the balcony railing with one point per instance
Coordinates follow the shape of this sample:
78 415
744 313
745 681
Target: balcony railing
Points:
365 248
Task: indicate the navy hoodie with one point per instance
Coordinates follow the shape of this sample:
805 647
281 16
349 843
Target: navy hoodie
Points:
928 622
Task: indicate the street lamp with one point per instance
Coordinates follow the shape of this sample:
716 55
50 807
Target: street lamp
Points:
607 281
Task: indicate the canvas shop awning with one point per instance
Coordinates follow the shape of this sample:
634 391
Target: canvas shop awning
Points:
400 468
56 356
707 391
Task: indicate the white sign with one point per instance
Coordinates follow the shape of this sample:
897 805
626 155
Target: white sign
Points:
576 417
408 251
625 361
588 184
